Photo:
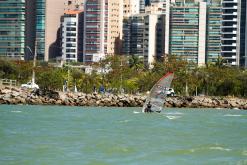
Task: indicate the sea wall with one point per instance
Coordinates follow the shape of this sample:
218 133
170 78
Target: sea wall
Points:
9 95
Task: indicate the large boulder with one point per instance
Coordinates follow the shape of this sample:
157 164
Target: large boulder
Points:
46 93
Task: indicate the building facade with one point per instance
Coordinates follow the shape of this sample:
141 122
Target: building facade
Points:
30 33
188 31
163 26
243 33
71 36
40 28
115 24
12 29
130 7
230 32
139 37
213 43
156 7
95 30
102 29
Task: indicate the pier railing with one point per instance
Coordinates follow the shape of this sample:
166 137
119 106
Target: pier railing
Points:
8 82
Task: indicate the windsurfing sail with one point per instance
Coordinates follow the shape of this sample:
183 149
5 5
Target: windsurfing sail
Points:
158 93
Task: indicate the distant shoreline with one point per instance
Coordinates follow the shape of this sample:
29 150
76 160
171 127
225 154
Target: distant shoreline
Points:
11 95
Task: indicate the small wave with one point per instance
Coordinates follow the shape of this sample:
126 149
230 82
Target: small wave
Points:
219 148
192 150
136 112
232 115
124 121
173 117
202 149
174 113
16 111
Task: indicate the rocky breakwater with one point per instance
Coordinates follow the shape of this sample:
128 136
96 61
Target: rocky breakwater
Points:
19 96
206 102
10 95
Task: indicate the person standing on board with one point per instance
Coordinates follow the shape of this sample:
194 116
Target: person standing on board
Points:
148 108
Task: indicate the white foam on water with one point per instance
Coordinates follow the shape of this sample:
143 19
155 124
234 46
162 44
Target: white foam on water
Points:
124 121
219 148
174 113
173 117
232 115
16 111
192 150
136 112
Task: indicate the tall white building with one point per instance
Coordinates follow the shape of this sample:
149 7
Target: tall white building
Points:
161 7
71 36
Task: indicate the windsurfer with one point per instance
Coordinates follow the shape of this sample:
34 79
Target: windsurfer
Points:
148 108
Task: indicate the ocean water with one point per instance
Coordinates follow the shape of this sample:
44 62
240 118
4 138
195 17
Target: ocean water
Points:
58 135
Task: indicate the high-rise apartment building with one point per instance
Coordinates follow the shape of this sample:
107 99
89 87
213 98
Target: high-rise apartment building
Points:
243 33
213 42
30 29
139 37
12 28
95 30
230 32
72 36
234 39
115 24
188 31
102 28
163 26
40 29
144 35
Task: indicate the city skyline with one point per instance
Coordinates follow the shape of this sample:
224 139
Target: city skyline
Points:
197 30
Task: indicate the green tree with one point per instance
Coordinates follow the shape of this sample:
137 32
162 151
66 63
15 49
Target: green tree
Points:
8 69
51 79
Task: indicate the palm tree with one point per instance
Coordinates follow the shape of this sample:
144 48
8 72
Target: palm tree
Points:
136 63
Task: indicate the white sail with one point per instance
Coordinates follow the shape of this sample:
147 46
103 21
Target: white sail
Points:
158 93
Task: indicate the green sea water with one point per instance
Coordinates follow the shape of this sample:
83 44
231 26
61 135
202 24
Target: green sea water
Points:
57 135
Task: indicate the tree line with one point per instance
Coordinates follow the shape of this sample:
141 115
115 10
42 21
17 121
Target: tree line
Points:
130 74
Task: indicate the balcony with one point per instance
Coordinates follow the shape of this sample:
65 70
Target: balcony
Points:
228 44
231 32
230 1
230 20
233 38
233 26
230 51
232 7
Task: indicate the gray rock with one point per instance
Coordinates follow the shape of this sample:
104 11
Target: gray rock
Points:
7 96
15 94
